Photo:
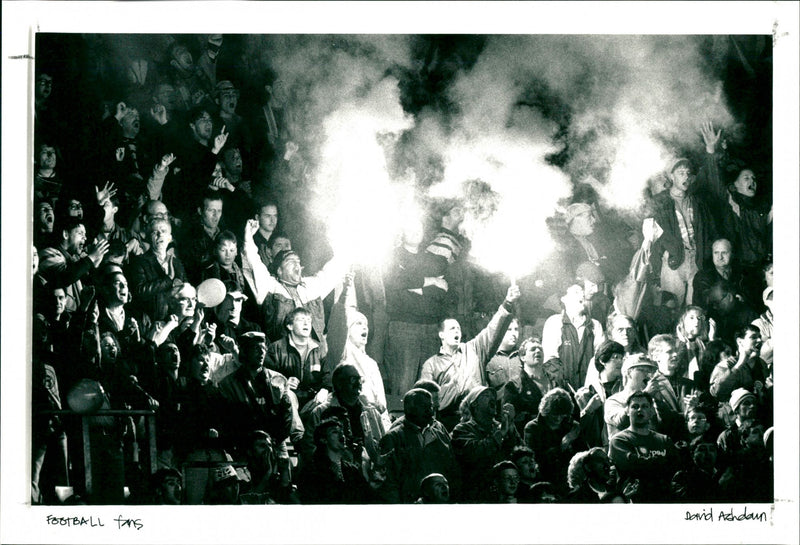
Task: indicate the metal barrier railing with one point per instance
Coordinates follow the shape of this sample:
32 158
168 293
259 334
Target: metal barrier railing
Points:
150 425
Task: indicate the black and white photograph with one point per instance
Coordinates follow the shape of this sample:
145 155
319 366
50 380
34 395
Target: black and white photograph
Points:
308 263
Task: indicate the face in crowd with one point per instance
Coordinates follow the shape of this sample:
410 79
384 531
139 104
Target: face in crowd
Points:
666 357
280 244
358 332
186 299
300 325
622 331
46 217
511 336
450 335
160 235
226 253
681 177
721 253
200 368
210 213
640 411
745 183
268 219
75 240
47 157
291 270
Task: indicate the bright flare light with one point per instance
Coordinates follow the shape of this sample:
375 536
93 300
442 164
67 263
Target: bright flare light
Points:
637 159
515 237
361 204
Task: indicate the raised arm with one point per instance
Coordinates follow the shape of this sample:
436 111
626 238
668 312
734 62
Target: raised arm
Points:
492 334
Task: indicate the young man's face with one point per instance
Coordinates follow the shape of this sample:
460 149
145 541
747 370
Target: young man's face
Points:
119 289
527 467
359 332
451 333
301 325
226 253
230 310
76 240
555 419
721 253
233 161
171 490
35 260
534 355
754 437
200 368
697 423
280 244
640 412
334 439
203 126
211 213
667 360
750 344
268 218
745 183
681 177
46 217
47 157
510 338
261 453
228 100
622 331
508 481
109 210
59 301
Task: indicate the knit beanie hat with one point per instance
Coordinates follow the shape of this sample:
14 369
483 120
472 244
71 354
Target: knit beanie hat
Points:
739 395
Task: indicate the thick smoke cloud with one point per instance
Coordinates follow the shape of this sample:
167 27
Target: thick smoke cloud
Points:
612 109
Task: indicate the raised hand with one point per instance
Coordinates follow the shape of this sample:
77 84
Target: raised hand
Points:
104 194
513 293
122 109
250 229
709 136
159 113
219 141
167 160
98 250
